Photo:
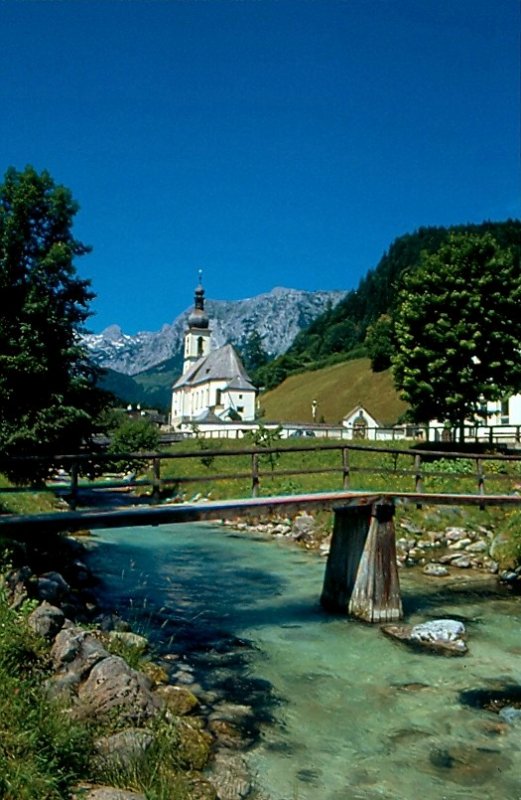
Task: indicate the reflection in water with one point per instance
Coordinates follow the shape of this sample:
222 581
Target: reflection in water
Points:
345 713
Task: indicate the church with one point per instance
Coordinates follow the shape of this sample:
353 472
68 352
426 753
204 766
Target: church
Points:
214 385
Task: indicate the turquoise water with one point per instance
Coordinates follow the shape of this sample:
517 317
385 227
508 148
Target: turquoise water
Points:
347 714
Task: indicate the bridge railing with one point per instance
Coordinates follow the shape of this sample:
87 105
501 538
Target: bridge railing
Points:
427 469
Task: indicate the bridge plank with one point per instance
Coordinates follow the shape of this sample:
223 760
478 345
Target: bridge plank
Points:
228 509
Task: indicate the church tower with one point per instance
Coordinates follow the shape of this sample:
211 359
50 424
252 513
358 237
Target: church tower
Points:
197 335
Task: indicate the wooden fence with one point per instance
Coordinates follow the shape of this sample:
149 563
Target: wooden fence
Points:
73 466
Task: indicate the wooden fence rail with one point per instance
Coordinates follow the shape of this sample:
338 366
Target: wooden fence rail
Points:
85 463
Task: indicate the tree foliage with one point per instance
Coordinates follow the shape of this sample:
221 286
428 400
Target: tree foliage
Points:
133 435
48 394
253 354
458 329
340 332
379 343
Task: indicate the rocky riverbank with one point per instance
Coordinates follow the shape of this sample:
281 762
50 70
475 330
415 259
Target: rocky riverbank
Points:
440 552
152 713
145 715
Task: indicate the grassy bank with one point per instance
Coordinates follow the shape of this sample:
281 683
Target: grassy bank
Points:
42 751
369 469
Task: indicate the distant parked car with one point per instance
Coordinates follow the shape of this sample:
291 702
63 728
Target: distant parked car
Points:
299 434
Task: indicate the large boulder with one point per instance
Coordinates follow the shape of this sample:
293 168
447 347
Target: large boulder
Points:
113 687
46 620
123 749
53 587
76 651
442 636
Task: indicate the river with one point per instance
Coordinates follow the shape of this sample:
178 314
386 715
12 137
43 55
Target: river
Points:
346 714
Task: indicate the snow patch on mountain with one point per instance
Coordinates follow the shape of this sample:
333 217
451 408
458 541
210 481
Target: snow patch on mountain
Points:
277 316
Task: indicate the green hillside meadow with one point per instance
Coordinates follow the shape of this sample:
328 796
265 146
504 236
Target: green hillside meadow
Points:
337 390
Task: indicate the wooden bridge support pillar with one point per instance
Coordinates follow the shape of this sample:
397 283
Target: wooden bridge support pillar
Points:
361 572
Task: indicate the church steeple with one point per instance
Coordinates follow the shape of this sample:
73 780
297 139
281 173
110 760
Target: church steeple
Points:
198 317
197 335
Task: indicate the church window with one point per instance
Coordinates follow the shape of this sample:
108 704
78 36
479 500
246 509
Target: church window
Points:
200 346
240 409
218 397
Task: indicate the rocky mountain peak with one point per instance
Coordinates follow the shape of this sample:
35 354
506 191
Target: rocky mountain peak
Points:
277 316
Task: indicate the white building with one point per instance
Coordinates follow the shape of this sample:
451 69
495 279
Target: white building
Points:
214 386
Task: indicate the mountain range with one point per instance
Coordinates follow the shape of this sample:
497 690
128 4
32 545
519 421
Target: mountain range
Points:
142 367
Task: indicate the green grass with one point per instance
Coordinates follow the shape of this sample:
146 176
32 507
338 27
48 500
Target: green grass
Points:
45 752
337 390
41 749
370 469
25 502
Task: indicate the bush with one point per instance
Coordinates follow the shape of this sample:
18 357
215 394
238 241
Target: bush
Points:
133 436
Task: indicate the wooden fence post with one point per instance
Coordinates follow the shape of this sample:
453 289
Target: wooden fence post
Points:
73 502
156 480
481 480
255 474
376 593
418 476
345 467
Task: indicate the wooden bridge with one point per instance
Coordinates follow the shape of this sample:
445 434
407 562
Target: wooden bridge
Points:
361 575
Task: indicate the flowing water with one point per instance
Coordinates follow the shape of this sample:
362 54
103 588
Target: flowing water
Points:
345 712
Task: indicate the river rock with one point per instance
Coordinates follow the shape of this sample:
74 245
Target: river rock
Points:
231 777
454 534
179 700
477 547
462 563
46 620
52 586
460 544
76 651
20 585
229 735
510 715
443 636
193 744
435 570
127 638
89 792
112 686
303 528
122 749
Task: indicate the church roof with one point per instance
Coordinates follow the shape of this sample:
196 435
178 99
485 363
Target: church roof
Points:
222 364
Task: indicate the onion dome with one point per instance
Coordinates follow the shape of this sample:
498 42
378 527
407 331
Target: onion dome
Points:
198 317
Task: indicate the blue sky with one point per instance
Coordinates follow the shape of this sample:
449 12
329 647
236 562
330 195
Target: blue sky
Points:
268 142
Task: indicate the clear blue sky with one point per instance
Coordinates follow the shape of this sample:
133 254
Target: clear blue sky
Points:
268 142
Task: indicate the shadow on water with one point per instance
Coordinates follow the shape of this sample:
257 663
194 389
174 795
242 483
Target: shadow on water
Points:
417 599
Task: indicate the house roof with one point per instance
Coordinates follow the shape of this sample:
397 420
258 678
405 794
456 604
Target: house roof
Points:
366 413
221 364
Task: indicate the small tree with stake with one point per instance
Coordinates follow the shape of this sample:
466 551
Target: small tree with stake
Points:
458 330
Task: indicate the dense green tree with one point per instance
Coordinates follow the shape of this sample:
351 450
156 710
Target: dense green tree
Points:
458 329
253 354
342 330
379 343
48 394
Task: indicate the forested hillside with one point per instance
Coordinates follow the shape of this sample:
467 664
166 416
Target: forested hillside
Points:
339 334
